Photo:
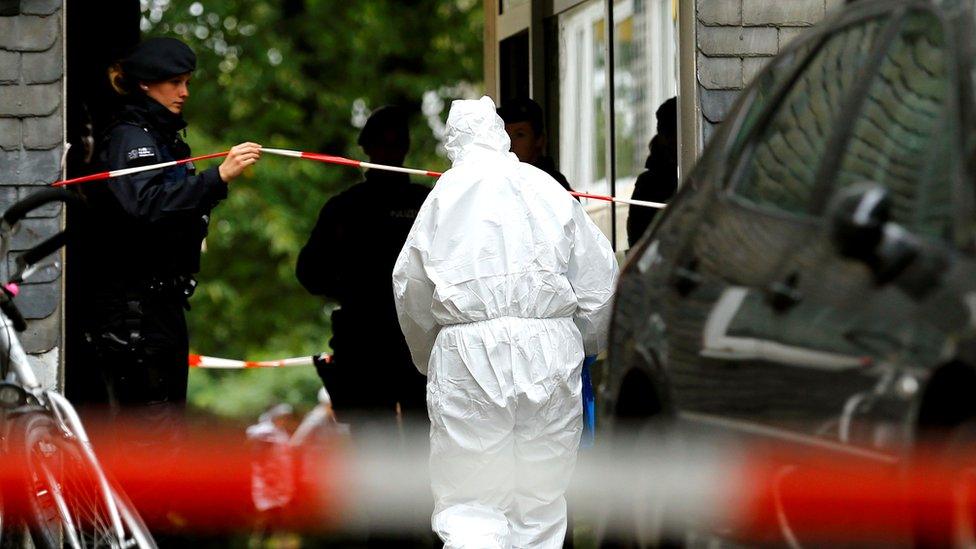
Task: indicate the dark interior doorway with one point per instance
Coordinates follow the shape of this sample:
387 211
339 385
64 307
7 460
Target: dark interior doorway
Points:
97 35
513 63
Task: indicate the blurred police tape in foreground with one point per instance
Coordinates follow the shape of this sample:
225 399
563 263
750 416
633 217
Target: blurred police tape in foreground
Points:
647 483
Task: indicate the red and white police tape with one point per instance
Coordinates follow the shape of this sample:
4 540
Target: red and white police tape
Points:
327 158
642 483
330 159
129 171
200 361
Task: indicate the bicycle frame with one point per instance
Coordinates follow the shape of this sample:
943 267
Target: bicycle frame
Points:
19 371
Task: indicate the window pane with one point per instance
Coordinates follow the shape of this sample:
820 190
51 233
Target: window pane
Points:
582 104
644 78
763 92
781 173
900 139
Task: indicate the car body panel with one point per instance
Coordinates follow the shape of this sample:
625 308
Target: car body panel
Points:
734 317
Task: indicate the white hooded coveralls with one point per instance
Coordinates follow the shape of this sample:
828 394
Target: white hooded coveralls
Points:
502 286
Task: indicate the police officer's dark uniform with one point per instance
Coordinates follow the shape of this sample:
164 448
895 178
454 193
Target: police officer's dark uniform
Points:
349 257
141 245
660 182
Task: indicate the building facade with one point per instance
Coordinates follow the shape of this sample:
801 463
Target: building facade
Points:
599 84
563 54
51 95
32 137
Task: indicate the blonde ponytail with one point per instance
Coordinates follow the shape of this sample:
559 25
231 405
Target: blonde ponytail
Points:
117 79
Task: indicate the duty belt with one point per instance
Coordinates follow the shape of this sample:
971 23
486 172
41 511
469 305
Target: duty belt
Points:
182 285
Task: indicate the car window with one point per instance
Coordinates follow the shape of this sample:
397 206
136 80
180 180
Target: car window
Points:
901 137
764 91
780 173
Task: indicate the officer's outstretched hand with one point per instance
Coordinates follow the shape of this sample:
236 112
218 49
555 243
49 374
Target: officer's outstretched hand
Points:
240 157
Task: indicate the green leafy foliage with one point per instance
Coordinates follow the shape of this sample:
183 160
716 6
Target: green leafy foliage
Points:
298 74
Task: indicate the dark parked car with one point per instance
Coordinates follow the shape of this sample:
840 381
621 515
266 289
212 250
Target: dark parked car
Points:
814 281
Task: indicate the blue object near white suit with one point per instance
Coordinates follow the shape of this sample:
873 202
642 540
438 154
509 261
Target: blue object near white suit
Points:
589 405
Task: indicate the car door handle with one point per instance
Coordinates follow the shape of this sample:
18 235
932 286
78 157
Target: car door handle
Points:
784 295
686 277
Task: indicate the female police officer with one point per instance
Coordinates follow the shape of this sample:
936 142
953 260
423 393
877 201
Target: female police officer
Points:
141 242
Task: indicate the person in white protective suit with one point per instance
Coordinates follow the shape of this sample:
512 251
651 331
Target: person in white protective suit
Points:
502 286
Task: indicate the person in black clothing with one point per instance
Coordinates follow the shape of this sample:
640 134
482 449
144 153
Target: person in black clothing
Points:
526 128
140 245
660 181
349 258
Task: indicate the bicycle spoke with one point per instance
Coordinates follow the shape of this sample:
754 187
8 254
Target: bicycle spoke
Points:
69 493
89 501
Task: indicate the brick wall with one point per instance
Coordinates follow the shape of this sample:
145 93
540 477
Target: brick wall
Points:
735 40
31 136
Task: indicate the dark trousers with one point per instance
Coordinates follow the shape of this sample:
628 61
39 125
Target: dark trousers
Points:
383 399
373 383
134 352
129 376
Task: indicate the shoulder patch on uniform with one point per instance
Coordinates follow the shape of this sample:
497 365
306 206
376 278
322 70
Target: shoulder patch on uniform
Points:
404 214
141 152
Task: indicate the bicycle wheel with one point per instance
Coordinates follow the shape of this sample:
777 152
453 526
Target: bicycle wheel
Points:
64 499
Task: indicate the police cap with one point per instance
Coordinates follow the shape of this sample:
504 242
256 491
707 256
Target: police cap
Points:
158 59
